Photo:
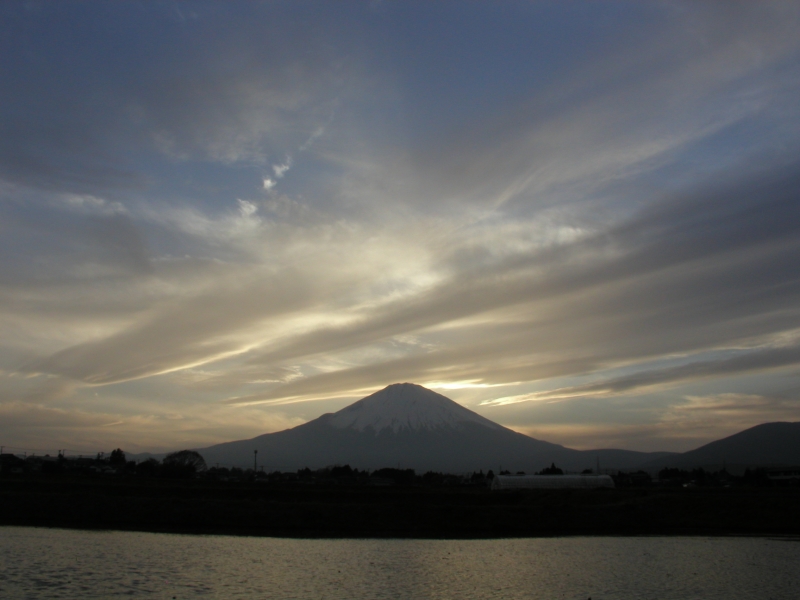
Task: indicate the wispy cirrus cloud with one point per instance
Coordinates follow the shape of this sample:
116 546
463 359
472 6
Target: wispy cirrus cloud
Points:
746 361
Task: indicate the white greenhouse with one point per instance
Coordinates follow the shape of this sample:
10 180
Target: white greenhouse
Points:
551 482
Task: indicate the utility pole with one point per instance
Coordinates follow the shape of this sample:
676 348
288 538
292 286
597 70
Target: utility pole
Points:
255 461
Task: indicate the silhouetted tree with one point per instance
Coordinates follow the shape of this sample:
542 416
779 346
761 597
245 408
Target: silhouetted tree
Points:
432 478
672 474
148 468
184 463
637 479
699 476
757 477
338 471
117 458
399 476
551 470
51 467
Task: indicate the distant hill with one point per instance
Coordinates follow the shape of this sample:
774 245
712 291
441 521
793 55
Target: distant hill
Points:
408 426
776 444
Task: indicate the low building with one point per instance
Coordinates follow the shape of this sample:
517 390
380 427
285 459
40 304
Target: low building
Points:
551 482
784 475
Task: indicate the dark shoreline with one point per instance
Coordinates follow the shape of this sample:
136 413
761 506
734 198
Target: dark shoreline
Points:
410 512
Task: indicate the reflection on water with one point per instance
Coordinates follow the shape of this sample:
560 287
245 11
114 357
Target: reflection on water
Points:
53 563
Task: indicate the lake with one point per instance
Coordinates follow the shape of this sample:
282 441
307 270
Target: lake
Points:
57 563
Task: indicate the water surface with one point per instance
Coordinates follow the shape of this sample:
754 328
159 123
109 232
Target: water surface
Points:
54 563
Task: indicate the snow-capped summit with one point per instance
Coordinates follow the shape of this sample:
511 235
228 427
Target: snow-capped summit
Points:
406 406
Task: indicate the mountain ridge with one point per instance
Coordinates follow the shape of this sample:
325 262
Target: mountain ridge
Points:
766 444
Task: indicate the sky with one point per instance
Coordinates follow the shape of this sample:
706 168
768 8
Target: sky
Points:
217 220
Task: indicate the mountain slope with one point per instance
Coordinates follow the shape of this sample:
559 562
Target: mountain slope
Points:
408 426
762 445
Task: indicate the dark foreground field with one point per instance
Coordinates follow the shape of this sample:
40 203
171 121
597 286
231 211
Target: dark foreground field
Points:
404 512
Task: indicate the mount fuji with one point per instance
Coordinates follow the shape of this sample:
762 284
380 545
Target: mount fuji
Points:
408 426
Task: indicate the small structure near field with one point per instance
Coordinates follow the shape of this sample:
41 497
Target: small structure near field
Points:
551 482
784 475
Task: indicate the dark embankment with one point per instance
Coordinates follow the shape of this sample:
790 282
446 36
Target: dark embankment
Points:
196 506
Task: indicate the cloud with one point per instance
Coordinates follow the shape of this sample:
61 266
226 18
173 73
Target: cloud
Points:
280 170
719 415
632 111
690 275
80 237
748 361
190 332
247 209
260 83
685 423
669 280
48 429
194 312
